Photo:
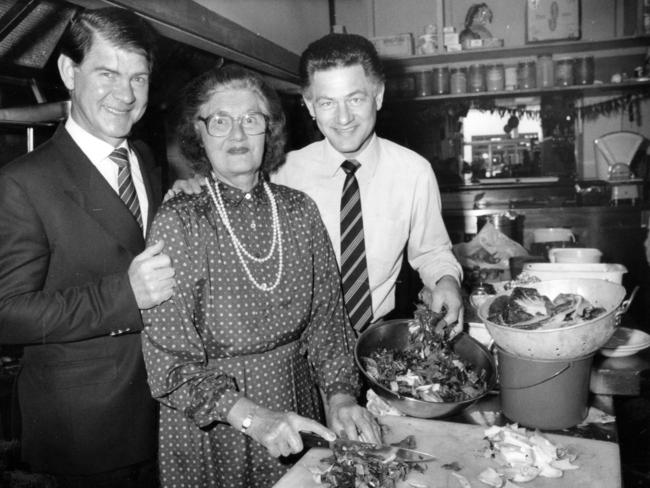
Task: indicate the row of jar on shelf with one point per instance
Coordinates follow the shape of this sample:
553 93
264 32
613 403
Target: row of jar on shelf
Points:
542 72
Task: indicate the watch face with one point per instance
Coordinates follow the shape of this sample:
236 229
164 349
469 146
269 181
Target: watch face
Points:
246 423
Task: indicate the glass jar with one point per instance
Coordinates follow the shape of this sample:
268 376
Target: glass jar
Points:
423 83
495 78
441 80
564 72
526 75
476 78
458 80
511 77
545 71
584 70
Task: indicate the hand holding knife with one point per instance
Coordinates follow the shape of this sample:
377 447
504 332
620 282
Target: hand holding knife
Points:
387 451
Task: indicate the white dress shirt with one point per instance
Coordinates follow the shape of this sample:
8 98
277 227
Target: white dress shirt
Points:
401 208
98 151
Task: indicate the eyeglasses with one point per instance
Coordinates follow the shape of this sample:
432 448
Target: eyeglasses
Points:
220 125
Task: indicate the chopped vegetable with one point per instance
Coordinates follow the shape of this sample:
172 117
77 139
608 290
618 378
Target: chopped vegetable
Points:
357 465
522 456
427 369
526 309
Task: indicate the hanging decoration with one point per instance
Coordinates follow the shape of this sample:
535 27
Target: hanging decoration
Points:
630 104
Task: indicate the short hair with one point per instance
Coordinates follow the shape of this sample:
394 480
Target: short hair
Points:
121 27
339 50
199 91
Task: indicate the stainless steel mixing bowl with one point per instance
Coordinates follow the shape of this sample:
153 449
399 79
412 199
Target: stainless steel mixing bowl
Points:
395 334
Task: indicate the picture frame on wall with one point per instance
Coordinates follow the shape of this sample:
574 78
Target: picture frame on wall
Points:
552 20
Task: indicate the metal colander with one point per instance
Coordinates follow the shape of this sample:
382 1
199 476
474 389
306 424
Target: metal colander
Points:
569 342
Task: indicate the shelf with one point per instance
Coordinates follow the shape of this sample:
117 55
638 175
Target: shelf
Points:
556 48
578 90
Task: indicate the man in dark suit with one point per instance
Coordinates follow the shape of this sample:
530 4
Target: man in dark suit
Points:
74 271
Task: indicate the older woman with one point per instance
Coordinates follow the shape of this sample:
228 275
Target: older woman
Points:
256 331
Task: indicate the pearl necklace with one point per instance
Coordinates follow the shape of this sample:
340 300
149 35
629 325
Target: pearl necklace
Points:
241 251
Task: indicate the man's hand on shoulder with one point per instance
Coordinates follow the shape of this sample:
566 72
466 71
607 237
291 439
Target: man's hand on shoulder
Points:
152 276
190 186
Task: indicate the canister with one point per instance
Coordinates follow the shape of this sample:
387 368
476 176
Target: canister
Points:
477 78
545 71
564 72
526 75
511 77
458 80
495 78
584 70
441 80
423 83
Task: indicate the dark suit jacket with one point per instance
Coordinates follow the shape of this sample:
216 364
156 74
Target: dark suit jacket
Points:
66 242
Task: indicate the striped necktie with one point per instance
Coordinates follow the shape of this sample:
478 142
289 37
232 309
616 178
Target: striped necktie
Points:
126 189
354 270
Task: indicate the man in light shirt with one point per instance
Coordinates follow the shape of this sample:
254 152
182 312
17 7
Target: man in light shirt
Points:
74 271
343 88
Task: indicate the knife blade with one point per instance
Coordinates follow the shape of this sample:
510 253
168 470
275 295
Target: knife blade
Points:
388 452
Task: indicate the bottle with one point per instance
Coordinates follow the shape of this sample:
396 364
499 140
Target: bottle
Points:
458 80
564 72
545 72
477 78
584 70
511 77
526 75
494 78
441 80
423 83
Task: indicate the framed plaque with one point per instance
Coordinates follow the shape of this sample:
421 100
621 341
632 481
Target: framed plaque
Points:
552 20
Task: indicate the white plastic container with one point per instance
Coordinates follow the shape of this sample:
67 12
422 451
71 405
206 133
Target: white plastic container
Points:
553 271
574 255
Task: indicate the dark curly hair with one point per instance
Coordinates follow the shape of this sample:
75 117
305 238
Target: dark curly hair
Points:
199 91
339 50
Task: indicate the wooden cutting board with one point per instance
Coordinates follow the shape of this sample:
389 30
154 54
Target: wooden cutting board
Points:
450 442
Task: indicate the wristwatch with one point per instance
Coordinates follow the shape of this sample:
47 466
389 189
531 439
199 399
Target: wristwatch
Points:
248 420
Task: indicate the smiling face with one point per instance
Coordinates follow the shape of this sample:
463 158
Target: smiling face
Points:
344 101
109 89
235 158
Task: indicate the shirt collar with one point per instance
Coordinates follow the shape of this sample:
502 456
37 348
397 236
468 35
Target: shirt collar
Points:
368 158
93 147
233 196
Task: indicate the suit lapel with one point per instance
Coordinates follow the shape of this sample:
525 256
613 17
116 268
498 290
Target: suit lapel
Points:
88 188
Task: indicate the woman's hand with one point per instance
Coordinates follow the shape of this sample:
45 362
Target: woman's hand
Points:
346 415
279 432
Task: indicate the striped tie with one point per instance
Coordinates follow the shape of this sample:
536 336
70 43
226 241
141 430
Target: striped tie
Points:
354 271
120 156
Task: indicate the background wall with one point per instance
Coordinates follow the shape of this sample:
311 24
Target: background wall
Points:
291 24
601 19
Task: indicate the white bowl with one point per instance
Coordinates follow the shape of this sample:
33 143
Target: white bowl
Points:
574 255
625 342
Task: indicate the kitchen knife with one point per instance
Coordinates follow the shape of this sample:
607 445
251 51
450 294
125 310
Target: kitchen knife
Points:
386 451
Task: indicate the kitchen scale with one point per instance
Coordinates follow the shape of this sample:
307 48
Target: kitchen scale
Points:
614 154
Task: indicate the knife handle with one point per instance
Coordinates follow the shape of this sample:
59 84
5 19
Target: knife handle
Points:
309 439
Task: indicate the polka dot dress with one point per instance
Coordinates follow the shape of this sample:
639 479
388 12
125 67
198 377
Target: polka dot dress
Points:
220 337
